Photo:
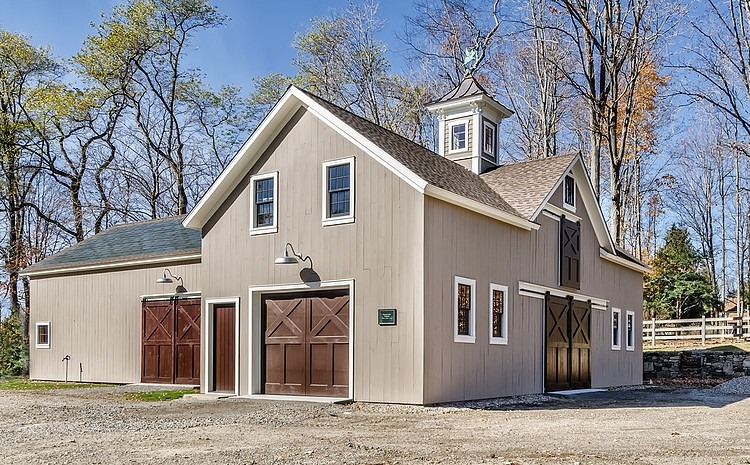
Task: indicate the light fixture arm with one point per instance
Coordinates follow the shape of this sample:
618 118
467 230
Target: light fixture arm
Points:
178 278
306 257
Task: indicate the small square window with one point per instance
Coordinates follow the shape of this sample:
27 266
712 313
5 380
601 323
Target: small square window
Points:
338 191
464 309
569 193
629 330
265 203
42 335
615 328
489 140
458 137
498 314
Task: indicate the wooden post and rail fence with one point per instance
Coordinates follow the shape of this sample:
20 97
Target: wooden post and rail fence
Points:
729 328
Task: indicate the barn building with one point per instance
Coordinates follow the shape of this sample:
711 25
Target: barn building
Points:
333 258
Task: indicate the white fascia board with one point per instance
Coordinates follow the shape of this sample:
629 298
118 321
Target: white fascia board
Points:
243 160
538 291
361 142
589 201
116 265
623 262
478 207
504 111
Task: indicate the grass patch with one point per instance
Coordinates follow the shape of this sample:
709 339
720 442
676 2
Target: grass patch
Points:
156 396
24 384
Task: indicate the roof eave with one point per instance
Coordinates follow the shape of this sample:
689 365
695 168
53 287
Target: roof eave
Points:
639 267
196 258
478 207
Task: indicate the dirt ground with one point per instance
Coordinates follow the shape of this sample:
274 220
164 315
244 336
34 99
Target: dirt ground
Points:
646 425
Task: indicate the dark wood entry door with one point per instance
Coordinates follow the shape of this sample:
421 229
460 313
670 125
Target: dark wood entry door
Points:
568 344
171 338
224 345
306 344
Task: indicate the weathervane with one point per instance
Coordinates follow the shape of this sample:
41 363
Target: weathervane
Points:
471 61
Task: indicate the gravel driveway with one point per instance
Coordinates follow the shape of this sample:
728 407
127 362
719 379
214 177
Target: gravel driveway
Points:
646 425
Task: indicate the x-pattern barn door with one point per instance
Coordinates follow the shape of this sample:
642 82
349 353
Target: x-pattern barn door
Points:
171 341
306 344
568 344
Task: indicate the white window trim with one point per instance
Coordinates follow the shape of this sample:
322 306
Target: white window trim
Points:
566 205
630 314
504 338
273 228
471 337
486 155
612 329
465 123
352 176
36 335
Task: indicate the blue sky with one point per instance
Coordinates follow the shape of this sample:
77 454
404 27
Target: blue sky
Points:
254 42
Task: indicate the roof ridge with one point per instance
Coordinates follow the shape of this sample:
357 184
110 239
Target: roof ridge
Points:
539 160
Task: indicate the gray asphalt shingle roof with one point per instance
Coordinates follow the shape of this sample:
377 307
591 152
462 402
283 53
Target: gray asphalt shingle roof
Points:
525 185
425 163
127 242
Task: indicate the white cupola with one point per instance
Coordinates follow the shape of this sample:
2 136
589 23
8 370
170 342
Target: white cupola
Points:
468 121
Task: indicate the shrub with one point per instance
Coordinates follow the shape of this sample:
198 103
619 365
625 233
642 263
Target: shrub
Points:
14 353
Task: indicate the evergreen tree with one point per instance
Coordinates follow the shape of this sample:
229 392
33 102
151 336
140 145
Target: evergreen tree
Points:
678 286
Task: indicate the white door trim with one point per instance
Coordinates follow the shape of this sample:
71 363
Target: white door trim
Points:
256 341
208 324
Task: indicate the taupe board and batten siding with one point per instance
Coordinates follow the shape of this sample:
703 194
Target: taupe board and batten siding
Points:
460 242
381 251
96 319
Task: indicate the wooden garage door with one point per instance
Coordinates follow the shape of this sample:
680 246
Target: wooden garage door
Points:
568 344
171 341
306 344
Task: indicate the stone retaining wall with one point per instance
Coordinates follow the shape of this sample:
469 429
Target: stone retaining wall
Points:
695 364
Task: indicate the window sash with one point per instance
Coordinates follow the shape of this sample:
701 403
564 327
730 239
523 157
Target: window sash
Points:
464 310
264 199
498 299
615 328
569 191
339 190
458 136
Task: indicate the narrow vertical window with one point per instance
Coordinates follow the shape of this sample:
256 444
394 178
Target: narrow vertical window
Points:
338 191
498 314
569 193
629 330
489 140
616 315
464 309
458 137
265 193
42 335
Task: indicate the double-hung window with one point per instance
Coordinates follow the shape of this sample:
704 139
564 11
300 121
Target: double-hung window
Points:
338 191
489 131
615 328
265 203
629 330
42 335
464 309
498 314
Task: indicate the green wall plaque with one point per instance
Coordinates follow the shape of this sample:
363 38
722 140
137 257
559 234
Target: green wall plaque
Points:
387 316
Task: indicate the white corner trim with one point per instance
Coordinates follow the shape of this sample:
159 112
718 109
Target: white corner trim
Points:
538 291
482 209
208 341
623 262
503 339
147 261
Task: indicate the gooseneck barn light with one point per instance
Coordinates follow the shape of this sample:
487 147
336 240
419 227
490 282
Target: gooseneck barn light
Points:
286 259
169 279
